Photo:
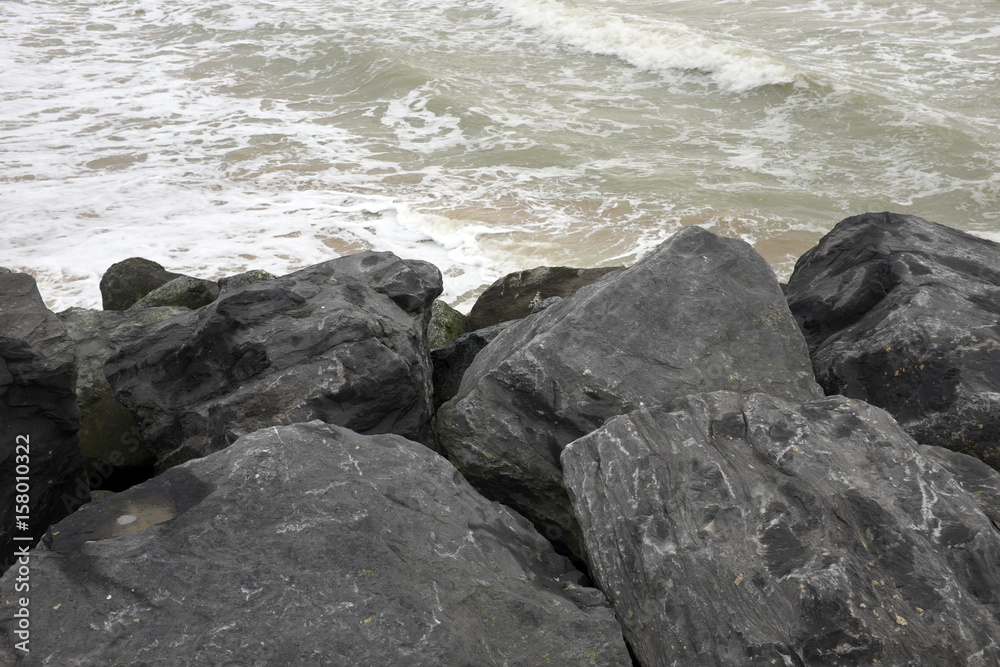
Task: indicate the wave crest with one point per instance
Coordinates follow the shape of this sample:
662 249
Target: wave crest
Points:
653 46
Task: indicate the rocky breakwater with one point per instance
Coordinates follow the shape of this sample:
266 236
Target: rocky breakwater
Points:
661 426
699 313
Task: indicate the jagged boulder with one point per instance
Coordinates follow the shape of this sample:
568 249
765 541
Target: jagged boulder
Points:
110 441
308 545
903 313
42 477
343 341
699 313
734 529
516 294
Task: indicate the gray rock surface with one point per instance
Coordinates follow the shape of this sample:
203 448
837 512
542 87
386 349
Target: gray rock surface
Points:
181 292
342 341
735 530
516 294
699 313
903 313
309 545
110 440
129 280
38 417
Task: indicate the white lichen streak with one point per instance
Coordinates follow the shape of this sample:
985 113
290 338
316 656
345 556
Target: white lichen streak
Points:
725 478
928 499
470 539
784 452
434 617
356 466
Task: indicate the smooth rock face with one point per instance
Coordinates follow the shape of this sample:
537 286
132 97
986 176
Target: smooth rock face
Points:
735 530
38 416
182 292
309 545
342 341
129 280
700 313
903 313
513 296
110 440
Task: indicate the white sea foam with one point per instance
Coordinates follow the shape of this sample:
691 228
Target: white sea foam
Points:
216 136
417 127
661 45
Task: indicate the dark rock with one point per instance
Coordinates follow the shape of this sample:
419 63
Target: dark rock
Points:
700 313
513 296
100 494
451 361
230 283
181 292
905 314
342 341
42 478
446 323
545 303
735 530
129 280
309 545
113 448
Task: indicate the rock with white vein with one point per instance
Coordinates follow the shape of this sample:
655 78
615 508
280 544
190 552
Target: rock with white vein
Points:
732 530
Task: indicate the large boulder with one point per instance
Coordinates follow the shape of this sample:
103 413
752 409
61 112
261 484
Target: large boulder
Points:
343 341
308 545
112 445
513 296
733 530
699 313
42 478
129 280
903 313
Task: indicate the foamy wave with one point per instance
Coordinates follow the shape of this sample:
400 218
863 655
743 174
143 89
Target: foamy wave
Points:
652 46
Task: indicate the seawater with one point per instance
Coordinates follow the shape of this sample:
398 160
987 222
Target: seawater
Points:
485 136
